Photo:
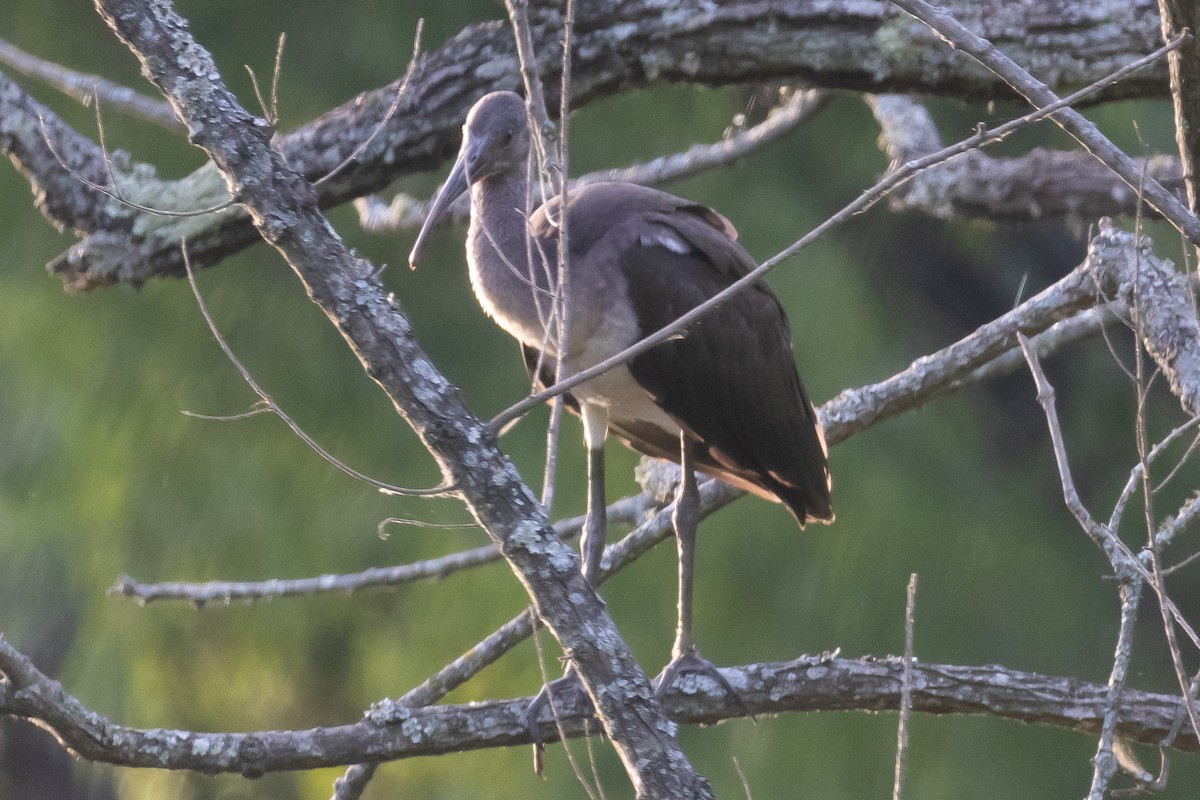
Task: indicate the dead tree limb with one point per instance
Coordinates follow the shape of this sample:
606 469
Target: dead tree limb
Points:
390 732
626 44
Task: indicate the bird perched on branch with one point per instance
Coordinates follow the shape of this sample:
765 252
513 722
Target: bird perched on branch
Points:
722 397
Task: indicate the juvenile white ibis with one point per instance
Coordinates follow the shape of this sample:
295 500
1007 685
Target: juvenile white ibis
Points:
723 398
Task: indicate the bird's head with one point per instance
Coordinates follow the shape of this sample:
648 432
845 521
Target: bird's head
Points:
495 144
495 137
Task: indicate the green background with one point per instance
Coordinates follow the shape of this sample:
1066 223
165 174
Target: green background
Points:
101 475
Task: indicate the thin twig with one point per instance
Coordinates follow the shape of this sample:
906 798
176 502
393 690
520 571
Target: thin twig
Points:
269 402
798 107
905 689
401 91
84 87
1172 526
1122 561
1179 16
1107 760
535 99
1124 566
1135 474
270 109
562 286
624 511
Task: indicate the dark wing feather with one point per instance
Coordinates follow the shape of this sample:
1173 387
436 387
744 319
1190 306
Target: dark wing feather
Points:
730 380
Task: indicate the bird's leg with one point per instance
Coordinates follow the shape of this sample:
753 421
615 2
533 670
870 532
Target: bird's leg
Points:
591 549
591 540
686 519
595 524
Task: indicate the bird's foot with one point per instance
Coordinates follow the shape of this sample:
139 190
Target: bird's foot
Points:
558 694
691 663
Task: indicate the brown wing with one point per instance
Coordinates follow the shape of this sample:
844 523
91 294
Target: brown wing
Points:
730 380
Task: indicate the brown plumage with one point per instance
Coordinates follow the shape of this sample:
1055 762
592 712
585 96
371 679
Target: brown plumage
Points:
730 381
723 397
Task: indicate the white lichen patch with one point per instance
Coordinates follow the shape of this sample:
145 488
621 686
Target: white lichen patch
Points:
387 712
203 189
697 683
413 729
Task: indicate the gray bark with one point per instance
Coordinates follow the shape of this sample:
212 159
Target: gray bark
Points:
620 45
391 731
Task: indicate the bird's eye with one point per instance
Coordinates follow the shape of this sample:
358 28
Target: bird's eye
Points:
508 137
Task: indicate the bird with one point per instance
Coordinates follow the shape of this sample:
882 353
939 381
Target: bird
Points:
723 397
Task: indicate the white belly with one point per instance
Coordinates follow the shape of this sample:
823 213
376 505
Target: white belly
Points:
615 391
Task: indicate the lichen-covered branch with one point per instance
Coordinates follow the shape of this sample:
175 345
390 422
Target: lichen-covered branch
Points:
392 731
1161 303
1042 183
53 157
1038 93
1118 266
624 44
855 409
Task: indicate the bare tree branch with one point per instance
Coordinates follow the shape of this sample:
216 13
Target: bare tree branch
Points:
86 88
392 731
796 108
623 44
1042 183
626 510
1040 95
905 689
1124 568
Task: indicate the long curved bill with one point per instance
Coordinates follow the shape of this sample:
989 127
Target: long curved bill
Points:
455 185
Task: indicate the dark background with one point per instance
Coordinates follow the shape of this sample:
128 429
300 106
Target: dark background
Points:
101 475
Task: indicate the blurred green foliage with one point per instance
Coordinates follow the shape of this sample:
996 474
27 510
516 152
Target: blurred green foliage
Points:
100 473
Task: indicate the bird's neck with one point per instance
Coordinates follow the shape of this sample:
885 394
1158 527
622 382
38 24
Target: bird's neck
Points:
498 216
498 254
